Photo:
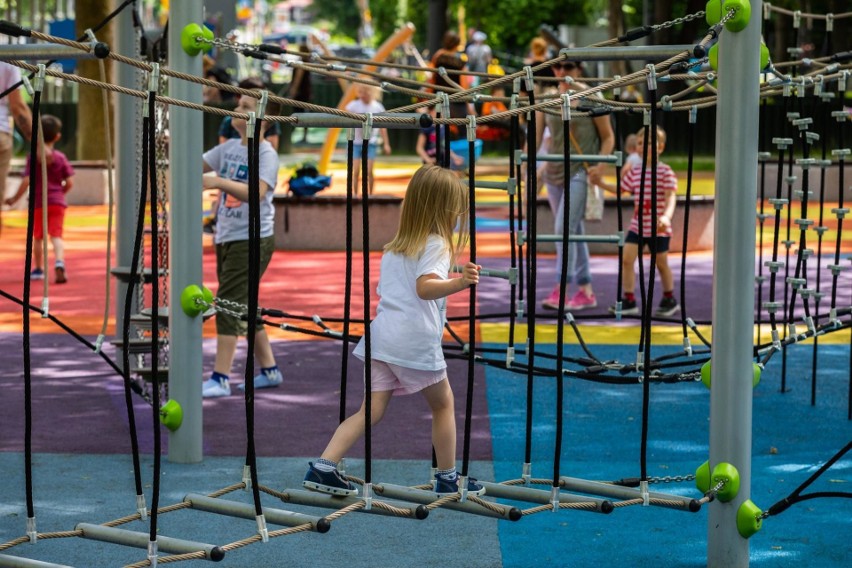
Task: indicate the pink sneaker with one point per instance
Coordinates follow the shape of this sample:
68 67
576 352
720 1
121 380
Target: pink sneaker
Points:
552 301
581 301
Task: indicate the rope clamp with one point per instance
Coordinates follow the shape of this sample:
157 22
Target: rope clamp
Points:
39 79
471 127
141 507
45 308
252 119
616 91
513 102
31 530
818 82
445 104
554 499
829 22
841 83
652 77
646 117
566 106
368 496
666 103
261 528
154 78
797 19
367 131
260 111
152 553
693 114
246 477
528 79
643 490
767 7
516 85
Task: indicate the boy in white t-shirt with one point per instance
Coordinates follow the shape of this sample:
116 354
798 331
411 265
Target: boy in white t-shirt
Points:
363 104
229 161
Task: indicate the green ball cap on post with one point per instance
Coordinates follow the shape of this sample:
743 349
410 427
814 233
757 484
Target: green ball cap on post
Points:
749 519
171 415
714 9
727 473
195 38
193 299
706 372
713 56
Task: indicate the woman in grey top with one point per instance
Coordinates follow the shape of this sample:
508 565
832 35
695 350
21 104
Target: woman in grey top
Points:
589 136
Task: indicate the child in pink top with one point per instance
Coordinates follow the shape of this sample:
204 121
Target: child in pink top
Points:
60 180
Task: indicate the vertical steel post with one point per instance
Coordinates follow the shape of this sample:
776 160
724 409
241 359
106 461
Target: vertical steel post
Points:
733 282
185 249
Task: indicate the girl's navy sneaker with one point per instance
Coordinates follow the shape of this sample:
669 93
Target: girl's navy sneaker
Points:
445 486
330 482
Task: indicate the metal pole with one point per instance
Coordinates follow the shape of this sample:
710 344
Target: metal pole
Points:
628 52
185 249
733 286
127 140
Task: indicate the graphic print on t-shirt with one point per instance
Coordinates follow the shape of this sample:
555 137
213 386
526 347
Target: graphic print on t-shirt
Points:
237 171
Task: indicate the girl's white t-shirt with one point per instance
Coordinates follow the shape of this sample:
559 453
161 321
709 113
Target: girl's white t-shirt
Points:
360 107
230 161
408 330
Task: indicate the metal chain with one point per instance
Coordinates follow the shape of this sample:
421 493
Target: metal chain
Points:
672 479
233 309
678 21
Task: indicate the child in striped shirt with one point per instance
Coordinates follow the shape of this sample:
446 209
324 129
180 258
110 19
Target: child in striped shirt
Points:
631 182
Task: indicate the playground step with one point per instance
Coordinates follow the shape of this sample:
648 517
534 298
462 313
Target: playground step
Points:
123 273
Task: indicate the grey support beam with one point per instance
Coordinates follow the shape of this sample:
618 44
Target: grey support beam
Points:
246 511
7 561
140 540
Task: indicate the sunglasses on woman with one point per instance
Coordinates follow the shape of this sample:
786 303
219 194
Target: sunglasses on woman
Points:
566 66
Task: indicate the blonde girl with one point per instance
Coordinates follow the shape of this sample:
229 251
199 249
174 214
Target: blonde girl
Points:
406 355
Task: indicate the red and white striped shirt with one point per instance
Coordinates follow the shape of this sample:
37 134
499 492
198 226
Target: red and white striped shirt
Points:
631 183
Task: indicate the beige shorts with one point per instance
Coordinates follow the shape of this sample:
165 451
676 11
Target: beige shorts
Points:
5 161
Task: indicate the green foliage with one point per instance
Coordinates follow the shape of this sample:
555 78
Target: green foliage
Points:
343 14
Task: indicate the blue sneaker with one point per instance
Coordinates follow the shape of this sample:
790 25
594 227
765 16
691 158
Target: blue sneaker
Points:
211 388
37 274
330 482
445 486
265 380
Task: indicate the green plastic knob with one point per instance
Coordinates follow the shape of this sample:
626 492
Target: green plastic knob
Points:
713 12
713 57
208 295
190 39
171 415
702 477
705 374
749 519
741 17
764 56
207 34
191 300
729 474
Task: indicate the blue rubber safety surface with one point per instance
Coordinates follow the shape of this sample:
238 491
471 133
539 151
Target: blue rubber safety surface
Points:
602 441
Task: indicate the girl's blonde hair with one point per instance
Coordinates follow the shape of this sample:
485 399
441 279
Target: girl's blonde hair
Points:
435 203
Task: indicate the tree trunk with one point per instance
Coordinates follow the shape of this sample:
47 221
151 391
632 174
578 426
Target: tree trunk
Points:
616 29
91 132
